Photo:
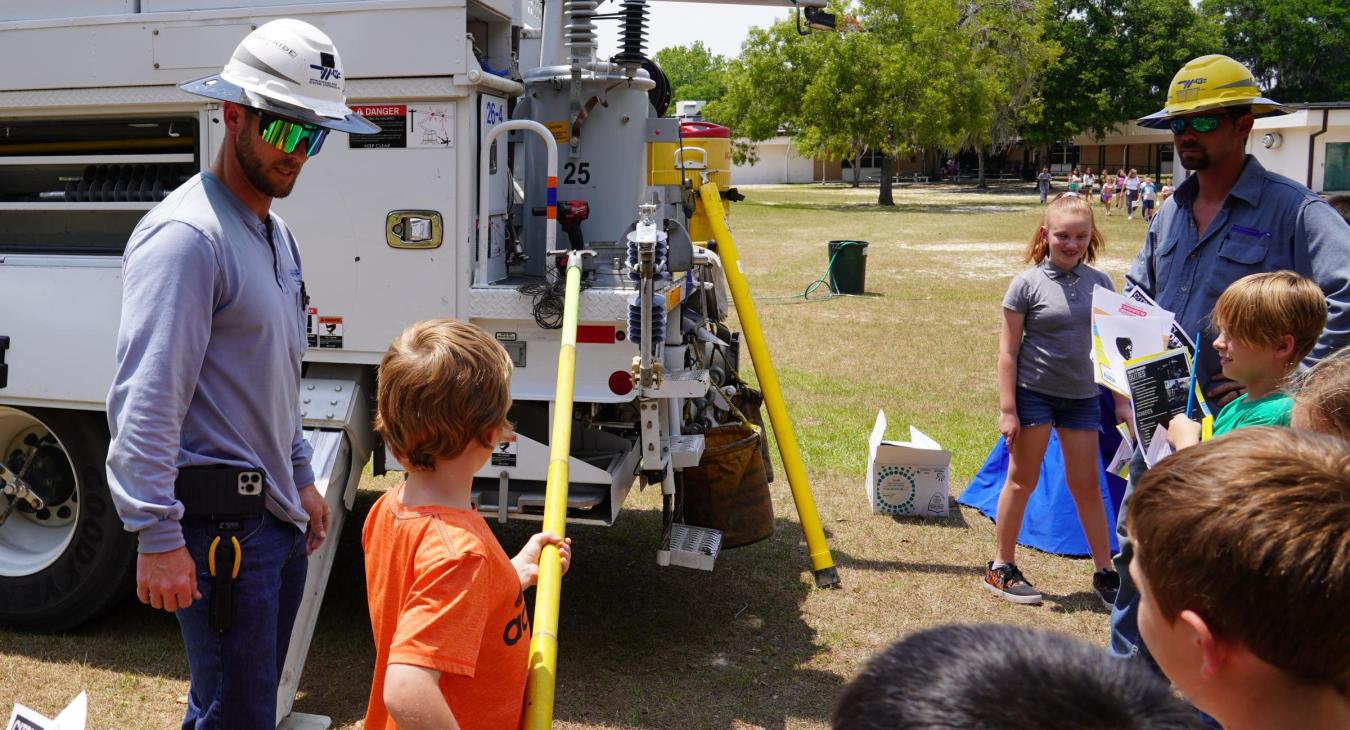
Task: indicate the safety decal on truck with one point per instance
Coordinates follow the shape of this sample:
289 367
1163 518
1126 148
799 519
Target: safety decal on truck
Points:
505 454
330 332
405 125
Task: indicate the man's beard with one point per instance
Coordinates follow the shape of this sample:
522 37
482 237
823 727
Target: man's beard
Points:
1199 160
255 171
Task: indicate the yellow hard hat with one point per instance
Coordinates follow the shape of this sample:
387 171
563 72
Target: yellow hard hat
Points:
1212 82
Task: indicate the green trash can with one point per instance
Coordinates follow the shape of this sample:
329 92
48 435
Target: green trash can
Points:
848 267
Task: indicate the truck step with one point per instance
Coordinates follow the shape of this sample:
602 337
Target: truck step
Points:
686 450
691 383
305 721
690 547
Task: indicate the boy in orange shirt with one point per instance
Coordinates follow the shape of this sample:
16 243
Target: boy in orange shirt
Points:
447 607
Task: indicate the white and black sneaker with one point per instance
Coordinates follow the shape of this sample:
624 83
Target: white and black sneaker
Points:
1007 582
1106 584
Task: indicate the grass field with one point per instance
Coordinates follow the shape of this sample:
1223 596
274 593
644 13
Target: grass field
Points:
752 644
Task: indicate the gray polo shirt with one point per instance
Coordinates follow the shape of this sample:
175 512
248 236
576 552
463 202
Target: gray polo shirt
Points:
208 358
1056 329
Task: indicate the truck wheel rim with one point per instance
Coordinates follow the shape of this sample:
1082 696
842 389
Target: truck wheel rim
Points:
31 541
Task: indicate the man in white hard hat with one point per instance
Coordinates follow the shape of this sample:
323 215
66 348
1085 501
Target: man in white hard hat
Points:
208 463
1230 218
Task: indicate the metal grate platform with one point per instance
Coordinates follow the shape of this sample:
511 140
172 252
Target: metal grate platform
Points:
690 547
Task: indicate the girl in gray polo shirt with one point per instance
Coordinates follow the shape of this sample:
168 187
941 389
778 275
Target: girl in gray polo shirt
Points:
1045 380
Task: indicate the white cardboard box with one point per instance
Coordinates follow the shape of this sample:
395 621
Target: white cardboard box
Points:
906 477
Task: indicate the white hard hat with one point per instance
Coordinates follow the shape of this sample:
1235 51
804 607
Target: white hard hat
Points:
288 67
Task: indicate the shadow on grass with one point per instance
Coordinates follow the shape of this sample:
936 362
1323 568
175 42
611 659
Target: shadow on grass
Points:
900 566
955 519
639 645
1080 602
644 646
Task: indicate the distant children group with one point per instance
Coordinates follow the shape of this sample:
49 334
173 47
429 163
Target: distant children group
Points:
1128 191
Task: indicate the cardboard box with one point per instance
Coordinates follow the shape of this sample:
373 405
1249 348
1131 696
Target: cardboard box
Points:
906 477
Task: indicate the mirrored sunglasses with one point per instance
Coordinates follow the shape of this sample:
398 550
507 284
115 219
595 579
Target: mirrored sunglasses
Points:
1201 124
287 135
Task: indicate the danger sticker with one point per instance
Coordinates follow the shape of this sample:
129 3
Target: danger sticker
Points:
392 119
405 125
330 332
505 454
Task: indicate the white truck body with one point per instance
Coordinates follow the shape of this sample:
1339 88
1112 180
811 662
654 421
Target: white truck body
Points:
93 131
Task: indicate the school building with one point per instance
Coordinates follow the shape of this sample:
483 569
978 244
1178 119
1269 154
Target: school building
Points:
1310 145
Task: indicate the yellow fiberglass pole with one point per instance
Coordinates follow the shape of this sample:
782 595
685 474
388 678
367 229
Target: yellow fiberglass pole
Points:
544 641
821 562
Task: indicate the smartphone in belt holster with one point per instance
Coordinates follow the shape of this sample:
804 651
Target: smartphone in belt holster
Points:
224 496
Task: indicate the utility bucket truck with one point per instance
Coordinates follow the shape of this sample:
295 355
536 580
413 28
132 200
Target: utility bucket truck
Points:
434 216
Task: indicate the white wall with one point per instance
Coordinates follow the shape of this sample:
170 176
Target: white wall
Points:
1290 157
778 163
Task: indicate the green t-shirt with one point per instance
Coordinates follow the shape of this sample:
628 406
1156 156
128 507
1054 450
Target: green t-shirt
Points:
1272 410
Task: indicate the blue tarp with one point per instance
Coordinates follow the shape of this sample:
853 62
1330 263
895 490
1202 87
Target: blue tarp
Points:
1051 521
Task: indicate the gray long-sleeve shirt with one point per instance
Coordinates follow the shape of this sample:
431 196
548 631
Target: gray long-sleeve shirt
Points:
208 358
1267 223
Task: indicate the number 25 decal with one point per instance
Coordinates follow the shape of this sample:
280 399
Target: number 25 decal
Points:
577 173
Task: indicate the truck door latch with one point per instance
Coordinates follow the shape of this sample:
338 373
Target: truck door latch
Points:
4 369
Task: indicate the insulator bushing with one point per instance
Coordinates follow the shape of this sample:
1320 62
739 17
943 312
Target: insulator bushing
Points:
579 26
632 33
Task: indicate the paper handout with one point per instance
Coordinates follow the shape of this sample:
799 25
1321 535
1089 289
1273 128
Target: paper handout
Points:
71 718
1158 390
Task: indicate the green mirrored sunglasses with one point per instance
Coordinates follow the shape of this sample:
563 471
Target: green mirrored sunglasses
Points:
1202 124
286 135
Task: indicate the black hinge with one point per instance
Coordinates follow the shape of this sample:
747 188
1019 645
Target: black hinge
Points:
4 369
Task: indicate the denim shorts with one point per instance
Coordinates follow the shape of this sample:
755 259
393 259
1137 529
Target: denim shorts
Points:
1035 409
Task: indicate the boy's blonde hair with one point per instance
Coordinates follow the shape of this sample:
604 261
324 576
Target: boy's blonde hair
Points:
1260 309
442 384
1323 394
1072 203
1252 532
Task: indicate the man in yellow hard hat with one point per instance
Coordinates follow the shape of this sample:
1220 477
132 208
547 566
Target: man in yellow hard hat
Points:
1230 218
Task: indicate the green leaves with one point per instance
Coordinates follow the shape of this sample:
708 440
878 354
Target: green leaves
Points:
1296 48
1117 58
695 72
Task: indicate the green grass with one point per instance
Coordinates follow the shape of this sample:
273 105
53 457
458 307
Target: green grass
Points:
752 644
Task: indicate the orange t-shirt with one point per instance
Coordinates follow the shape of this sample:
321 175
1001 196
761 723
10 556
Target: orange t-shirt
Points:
443 595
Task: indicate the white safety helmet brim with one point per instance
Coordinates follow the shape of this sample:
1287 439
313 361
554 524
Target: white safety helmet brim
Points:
215 87
290 68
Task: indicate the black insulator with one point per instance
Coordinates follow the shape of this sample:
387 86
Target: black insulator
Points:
660 94
632 32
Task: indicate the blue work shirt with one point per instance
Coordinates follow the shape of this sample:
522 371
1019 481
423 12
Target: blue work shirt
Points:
1267 223
208 358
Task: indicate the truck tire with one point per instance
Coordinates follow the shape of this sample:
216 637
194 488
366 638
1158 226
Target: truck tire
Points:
61 566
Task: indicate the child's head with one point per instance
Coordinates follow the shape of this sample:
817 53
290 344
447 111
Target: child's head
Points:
1341 203
1322 399
444 385
1068 233
1004 677
1267 324
1134 172
1242 553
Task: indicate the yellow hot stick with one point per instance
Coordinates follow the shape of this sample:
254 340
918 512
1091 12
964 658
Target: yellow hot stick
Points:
821 562
544 641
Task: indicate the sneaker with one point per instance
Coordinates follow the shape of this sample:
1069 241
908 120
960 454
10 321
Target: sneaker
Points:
1106 584
1008 582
